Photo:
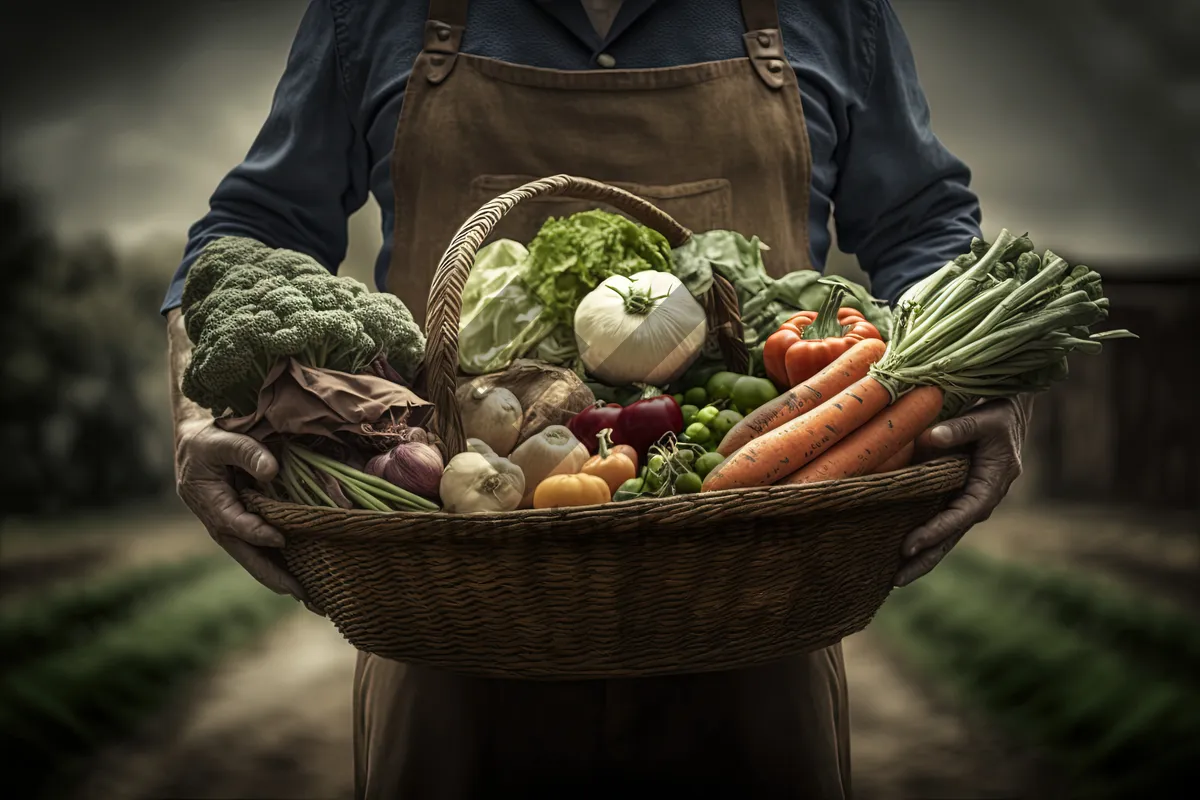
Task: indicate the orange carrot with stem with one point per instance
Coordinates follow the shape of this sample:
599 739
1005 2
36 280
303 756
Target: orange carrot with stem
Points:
886 435
777 454
899 461
843 371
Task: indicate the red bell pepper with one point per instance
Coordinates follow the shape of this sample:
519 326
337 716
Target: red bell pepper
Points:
587 424
810 341
639 425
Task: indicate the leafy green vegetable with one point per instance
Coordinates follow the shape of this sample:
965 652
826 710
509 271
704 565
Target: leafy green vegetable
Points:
247 306
501 319
765 302
571 256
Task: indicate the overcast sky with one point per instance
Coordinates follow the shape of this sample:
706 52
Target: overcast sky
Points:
126 115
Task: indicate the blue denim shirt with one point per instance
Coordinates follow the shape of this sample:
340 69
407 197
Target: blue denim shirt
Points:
903 201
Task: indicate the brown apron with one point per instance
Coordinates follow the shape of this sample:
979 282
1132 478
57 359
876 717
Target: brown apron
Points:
716 145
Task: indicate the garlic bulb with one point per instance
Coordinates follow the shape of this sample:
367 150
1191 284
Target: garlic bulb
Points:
474 483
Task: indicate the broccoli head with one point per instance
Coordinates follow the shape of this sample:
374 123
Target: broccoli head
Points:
247 307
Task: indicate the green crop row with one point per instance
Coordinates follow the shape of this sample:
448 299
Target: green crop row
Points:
1052 667
62 618
57 707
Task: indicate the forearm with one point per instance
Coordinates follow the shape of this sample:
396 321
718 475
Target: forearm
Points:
184 412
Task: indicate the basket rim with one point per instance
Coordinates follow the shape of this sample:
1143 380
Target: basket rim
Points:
907 483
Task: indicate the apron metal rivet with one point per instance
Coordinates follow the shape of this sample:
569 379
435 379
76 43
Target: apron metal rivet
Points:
764 40
774 66
443 33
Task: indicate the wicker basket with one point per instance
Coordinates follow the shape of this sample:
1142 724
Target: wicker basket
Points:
695 583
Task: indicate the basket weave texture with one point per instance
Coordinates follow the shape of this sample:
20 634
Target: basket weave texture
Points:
695 583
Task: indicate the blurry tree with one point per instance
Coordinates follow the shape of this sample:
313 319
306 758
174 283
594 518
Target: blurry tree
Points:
81 338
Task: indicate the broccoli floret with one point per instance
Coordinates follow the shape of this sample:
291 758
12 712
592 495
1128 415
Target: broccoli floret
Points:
249 306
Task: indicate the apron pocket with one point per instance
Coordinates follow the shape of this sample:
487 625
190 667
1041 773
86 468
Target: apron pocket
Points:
699 205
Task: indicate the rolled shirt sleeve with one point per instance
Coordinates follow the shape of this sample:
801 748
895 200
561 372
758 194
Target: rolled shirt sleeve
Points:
903 203
307 170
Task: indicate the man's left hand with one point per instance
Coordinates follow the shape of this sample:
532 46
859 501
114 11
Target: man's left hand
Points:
993 434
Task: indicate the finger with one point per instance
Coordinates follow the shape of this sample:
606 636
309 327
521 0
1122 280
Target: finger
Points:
229 517
921 566
956 432
957 518
262 567
235 450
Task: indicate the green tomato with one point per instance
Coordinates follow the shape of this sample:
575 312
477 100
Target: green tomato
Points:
689 414
688 483
654 481
707 414
724 422
678 398
749 393
697 432
696 396
687 456
707 463
720 386
655 464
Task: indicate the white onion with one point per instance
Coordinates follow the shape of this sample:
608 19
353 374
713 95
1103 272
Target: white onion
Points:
645 328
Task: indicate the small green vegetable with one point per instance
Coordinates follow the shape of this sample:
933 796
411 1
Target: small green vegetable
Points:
749 393
707 463
689 414
678 399
688 483
696 396
707 414
655 464
630 489
686 456
720 386
697 432
724 422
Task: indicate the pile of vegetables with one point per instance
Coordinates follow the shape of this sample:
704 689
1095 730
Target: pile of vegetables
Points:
590 374
249 308
997 322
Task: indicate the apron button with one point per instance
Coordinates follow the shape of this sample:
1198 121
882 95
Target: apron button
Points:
606 61
443 33
764 40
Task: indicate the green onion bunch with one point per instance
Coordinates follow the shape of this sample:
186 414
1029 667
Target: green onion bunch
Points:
313 479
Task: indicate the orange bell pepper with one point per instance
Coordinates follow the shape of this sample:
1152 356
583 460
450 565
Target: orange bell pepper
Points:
811 340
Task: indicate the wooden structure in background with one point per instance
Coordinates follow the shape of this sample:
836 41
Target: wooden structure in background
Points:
1124 426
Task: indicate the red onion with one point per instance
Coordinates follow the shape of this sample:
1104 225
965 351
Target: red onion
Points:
414 466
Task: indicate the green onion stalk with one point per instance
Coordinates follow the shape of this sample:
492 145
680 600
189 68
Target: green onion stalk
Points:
996 322
309 478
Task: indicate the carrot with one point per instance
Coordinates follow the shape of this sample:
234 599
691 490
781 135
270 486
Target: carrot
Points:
898 461
887 435
778 453
844 370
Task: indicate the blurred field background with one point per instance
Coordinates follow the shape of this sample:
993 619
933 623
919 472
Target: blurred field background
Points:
1056 652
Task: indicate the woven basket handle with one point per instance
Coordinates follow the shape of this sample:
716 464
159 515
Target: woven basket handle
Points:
445 293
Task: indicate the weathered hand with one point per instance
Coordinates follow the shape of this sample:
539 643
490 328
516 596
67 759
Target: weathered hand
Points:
993 434
203 457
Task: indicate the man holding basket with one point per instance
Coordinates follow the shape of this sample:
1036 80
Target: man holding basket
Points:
760 117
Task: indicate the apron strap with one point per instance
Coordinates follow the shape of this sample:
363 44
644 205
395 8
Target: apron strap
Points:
443 37
764 44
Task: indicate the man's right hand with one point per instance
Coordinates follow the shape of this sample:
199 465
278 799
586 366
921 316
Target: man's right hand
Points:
204 455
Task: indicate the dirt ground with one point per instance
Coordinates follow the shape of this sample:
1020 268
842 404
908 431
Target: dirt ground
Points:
274 721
